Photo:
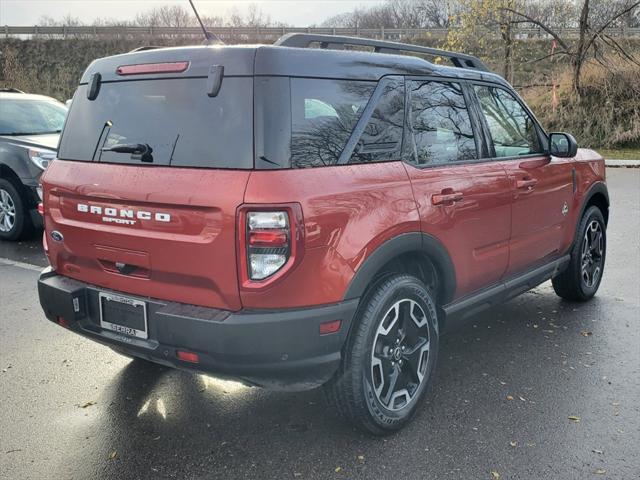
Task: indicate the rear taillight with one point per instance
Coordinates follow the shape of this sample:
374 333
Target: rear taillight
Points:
268 243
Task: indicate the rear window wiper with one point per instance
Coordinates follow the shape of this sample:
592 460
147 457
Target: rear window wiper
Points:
139 150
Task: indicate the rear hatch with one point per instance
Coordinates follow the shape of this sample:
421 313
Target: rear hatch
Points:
153 163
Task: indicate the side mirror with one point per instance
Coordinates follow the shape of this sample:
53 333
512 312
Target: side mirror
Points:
562 145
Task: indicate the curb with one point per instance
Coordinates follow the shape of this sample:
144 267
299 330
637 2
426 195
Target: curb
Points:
622 163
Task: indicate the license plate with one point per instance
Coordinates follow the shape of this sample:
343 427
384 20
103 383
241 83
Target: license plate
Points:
123 315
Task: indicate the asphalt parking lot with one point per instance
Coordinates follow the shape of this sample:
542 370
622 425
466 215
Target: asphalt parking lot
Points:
535 389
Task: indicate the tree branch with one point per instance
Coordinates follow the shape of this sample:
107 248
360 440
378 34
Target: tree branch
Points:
606 24
549 56
541 25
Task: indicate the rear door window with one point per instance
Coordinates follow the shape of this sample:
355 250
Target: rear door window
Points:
181 124
441 129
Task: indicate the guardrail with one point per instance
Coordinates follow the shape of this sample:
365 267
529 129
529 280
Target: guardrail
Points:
265 32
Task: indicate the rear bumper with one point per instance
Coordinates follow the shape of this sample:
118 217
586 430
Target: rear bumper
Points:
274 349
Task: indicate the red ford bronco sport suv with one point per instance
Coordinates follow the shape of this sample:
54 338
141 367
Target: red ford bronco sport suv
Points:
295 217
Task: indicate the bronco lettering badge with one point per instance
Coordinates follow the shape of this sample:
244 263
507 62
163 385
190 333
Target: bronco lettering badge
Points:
123 216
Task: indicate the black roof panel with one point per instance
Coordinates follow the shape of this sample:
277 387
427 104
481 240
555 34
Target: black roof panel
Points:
282 61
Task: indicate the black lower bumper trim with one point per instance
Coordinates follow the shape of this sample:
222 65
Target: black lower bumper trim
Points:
274 349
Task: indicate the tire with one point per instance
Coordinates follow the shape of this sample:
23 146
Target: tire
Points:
15 222
361 388
580 284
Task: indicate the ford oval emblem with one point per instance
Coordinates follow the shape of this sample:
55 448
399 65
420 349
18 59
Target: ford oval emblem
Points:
57 236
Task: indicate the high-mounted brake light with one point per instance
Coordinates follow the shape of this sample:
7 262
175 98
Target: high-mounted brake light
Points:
147 68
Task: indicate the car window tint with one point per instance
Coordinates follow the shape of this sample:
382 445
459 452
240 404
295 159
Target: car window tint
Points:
323 115
175 118
440 122
512 129
382 137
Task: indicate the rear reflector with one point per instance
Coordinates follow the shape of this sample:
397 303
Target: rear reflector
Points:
146 68
63 322
188 356
330 327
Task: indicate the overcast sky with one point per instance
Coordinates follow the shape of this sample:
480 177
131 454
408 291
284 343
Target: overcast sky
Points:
294 12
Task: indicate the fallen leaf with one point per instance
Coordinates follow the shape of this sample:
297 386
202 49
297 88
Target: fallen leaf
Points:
495 475
338 469
600 471
361 458
113 455
509 397
586 333
513 444
88 404
573 418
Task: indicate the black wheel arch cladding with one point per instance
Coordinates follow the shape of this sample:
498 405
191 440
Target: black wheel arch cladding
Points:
405 243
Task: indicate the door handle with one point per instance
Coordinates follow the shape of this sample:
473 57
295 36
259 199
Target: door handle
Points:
447 197
527 183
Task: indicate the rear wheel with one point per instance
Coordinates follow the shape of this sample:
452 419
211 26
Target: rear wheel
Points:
14 216
581 280
390 356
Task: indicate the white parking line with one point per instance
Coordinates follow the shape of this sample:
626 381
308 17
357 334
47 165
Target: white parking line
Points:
26 266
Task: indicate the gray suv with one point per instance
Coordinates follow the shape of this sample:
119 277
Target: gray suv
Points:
30 126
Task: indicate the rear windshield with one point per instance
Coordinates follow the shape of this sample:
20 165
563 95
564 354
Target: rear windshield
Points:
181 125
31 117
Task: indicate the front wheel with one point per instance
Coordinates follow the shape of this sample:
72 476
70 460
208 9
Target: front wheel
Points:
581 280
390 357
15 222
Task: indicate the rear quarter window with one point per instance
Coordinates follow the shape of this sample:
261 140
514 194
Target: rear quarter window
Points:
323 115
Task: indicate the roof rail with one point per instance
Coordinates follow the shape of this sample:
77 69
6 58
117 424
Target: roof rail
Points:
303 40
10 90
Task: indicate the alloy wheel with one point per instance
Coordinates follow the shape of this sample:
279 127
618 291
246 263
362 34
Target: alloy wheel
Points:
400 354
592 254
7 211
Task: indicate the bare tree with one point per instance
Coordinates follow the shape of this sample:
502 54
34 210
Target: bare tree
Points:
399 14
595 17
